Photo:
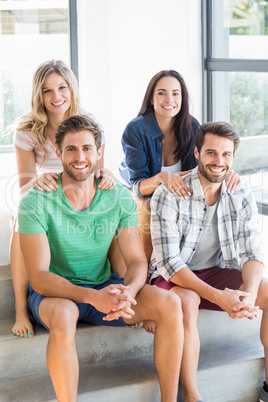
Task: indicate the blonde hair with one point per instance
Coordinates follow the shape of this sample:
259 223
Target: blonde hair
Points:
37 120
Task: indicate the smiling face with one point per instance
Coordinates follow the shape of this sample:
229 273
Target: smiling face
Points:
167 97
215 159
79 155
56 95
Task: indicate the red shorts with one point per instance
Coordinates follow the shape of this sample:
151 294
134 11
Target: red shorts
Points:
216 277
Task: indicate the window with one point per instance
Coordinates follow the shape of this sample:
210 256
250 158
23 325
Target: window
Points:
31 31
235 43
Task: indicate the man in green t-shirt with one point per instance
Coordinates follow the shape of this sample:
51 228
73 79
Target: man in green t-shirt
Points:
65 236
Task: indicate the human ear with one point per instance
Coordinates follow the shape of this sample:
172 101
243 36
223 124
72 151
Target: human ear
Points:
196 153
58 153
100 152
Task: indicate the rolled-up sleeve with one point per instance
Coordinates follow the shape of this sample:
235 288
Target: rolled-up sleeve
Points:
165 232
136 164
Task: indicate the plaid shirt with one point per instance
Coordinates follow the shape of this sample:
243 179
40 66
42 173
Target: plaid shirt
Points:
177 224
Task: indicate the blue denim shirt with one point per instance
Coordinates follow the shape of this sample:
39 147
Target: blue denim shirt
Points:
142 146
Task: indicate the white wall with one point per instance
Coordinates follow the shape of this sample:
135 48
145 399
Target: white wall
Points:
122 44
7 170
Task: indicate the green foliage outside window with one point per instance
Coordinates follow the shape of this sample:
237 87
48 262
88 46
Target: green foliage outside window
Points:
11 110
249 103
249 17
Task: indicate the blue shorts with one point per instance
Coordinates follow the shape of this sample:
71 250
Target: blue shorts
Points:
87 313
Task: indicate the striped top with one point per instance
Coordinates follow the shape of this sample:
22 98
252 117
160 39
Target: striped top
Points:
25 141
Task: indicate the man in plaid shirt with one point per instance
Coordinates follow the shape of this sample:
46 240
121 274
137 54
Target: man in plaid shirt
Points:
207 247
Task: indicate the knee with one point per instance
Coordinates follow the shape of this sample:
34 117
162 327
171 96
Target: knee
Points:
190 305
170 305
143 204
262 298
64 318
144 209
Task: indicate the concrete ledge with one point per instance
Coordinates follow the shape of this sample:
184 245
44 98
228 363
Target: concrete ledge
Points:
222 377
116 364
21 357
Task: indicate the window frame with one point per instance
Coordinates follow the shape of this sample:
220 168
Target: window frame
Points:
73 43
212 64
73 36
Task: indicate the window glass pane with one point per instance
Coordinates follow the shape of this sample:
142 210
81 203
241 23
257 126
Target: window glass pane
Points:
31 31
245 106
240 29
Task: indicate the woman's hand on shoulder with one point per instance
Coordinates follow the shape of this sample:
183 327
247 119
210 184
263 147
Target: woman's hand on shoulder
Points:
108 181
175 183
46 182
232 181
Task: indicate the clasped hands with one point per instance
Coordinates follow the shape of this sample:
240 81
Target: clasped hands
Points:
115 302
239 304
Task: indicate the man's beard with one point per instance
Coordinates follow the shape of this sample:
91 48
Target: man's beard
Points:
212 178
79 176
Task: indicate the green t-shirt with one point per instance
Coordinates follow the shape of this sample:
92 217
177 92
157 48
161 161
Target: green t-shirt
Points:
78 240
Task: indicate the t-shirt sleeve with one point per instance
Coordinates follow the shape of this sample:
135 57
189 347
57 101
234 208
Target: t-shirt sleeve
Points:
128 208
31 214
24 140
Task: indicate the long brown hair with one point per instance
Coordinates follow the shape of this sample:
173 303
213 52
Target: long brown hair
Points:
37 120
183 120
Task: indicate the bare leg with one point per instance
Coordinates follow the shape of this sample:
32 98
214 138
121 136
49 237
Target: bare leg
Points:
190 302
262 302
61 315
144 216
165 309
191 348
23 326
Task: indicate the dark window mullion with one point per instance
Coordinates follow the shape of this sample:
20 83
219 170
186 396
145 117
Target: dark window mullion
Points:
206 53
213 64
73 36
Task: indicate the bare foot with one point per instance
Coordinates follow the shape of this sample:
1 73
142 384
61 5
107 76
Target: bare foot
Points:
197 398
23 327
149 326
138 325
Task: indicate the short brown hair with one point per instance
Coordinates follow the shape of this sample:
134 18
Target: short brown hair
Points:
75 124
220 129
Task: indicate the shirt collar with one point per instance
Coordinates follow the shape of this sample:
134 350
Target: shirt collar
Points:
153 125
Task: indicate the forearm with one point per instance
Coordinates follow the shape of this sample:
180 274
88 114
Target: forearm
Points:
148 186
252 273
27 186
52 285
136 276
188 280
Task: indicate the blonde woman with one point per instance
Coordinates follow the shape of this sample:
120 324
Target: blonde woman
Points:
55 97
